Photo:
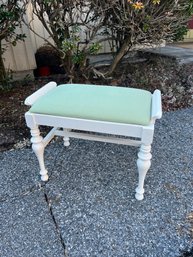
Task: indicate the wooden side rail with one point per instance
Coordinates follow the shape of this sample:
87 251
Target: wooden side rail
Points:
30 100
156 108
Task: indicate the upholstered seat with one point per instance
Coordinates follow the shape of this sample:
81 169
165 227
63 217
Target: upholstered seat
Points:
104 103
76 110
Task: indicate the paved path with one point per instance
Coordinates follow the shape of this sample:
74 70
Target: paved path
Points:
183 55
183 44
88 208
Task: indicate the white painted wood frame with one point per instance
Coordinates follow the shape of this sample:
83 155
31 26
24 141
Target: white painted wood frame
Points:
136 135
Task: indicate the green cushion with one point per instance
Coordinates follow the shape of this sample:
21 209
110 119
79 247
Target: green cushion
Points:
104 103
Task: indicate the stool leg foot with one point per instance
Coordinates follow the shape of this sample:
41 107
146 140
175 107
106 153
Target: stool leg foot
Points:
143 164
38 148
66 138
66 141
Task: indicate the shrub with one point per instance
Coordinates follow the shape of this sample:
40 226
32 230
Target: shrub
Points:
127 23
11 13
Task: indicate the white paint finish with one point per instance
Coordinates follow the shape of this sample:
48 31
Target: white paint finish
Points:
143 165
120 129
147 134
49 137
38 148
107 139
66 141
30 120
65 134
143 133
30 100
156 112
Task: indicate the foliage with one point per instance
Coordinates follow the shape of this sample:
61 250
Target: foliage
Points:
74 28
134 23
5 82
10 17
11 12
182 30
78 27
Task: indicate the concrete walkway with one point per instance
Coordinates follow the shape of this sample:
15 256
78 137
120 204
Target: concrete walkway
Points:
88 207
183 55
182 52
188 45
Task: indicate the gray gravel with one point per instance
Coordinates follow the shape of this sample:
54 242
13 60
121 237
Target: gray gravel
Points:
91 194
27 229
19 172
95 183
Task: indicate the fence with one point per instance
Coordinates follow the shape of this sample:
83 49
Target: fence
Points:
189 36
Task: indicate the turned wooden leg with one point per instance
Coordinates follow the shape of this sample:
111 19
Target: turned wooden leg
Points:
66 138
143 164
66 141
38 148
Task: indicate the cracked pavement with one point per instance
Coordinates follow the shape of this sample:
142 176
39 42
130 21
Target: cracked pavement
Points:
87 208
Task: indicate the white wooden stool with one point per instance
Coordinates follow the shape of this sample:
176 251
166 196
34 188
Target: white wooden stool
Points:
103 109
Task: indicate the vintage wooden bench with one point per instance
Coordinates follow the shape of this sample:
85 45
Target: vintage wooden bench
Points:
108 110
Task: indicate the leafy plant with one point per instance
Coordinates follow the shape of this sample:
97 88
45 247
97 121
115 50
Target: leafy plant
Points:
78 27
133 23
182 29
74 28
6 80
11 13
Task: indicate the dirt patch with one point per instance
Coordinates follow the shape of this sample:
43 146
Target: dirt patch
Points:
12 109
174 81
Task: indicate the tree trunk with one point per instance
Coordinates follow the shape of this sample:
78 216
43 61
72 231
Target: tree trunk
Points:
123 50
68 65
2 67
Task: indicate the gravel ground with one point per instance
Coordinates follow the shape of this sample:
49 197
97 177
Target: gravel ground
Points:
27 229
91 195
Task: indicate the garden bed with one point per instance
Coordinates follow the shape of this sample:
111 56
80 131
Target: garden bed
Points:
174 81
